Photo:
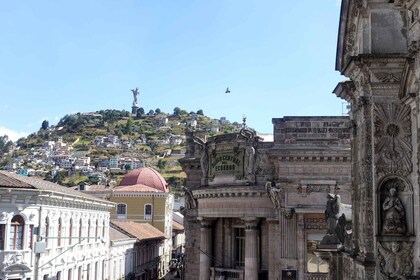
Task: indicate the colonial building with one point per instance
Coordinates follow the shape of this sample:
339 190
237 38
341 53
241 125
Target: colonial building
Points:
378 50
145 256
48 231
143 197
255 210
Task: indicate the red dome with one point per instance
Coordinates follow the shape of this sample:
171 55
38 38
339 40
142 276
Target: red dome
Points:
145 176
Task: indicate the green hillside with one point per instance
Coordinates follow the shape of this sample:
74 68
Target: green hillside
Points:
154 139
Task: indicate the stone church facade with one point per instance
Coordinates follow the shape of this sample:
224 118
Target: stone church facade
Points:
378 50
254 209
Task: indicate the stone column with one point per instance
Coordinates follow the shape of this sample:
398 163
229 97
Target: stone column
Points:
205 248
251 249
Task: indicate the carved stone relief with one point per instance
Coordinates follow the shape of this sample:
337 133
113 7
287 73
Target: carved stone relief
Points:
395 205
392 139
395 259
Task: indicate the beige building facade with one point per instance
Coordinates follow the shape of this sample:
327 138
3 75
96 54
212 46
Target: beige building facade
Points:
254 209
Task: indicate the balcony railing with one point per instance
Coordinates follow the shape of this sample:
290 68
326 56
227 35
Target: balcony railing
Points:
316 276
230 274
148 265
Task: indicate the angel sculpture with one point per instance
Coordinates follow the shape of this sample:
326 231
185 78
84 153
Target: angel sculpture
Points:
135 94
395 260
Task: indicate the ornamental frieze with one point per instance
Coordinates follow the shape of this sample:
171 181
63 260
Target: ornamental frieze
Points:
392 139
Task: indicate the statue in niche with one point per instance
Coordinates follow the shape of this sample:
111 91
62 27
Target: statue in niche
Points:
332 211
393 214
395 260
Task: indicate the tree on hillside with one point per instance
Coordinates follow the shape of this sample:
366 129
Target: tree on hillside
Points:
158 111
129 125
183 112
140 111
200 112
5 144
45 124
161 164
151 113
127 167
177 111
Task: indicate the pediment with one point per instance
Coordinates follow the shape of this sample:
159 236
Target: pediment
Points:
17 268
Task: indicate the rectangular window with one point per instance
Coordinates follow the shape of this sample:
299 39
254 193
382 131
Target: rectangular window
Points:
314 264
239 247
79 273
148 212
69 275
2 229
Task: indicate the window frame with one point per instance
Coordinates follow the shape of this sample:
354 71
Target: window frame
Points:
148 217
120 213
17 236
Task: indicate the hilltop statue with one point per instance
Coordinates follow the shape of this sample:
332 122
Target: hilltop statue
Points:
136 93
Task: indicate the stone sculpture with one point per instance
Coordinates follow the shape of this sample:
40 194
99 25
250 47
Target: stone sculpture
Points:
393 213
136 93
332 211
395 260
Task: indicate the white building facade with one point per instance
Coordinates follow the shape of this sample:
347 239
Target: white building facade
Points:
51 232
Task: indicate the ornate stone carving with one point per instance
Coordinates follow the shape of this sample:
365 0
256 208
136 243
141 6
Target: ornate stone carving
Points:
395 259
332 211
392 209
204 155
190 202
392 139
388 77
4 216
273 193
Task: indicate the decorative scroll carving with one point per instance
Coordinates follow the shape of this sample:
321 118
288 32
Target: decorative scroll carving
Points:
392 139
190 202
395 259
4 216
388 77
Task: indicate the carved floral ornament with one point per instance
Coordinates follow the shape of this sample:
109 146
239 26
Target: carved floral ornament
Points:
392 139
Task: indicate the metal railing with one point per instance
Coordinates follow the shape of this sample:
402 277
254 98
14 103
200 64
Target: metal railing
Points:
230 274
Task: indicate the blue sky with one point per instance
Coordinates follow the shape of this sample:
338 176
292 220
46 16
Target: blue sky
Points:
60 57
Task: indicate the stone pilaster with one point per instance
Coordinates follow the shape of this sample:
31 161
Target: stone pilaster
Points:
251 249
205 248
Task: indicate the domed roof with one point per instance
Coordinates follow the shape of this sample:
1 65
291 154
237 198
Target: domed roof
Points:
145 176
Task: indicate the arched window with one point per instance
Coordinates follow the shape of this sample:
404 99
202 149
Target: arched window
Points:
80 230
148 211
70 231
121 211
16 233
47 230
59 230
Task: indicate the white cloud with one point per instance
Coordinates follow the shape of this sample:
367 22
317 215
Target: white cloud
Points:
13 135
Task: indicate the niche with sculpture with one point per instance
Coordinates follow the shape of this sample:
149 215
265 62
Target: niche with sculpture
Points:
395 207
